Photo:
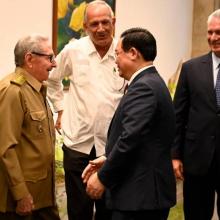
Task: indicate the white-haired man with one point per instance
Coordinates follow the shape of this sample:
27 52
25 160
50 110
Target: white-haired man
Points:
94 93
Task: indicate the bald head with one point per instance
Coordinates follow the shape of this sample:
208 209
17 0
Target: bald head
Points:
96 5
99 24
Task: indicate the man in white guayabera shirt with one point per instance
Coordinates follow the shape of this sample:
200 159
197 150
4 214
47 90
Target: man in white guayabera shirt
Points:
94 92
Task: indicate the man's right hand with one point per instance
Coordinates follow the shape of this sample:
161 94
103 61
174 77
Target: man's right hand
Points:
25 205
92 167
58 121
178 169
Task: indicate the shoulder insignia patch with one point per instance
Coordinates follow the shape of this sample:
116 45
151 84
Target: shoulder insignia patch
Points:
19 79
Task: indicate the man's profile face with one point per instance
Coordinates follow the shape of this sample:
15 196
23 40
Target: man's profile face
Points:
213 35
99 25
123 61
41 62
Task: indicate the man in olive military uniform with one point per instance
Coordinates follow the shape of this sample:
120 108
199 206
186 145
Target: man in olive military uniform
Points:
27 135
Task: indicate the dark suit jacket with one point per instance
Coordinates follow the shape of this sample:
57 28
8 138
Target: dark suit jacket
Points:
138 172
197 117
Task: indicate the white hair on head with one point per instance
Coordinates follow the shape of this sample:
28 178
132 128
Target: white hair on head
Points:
97 2
215 14
27 44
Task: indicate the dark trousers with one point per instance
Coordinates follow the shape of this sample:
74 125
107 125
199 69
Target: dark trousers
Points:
79 204
141 215
49 213
199 194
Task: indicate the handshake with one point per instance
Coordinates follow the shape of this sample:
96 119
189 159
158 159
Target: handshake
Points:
94 186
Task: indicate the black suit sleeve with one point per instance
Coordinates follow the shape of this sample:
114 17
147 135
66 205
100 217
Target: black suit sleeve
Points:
136 113
181 105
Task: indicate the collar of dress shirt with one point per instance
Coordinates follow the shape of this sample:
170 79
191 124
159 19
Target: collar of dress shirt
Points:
215 64
215 61
91 48
138 72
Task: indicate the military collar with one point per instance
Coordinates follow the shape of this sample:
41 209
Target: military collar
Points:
29 79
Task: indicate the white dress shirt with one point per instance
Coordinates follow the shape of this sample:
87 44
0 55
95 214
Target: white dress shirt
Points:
94 93
215 65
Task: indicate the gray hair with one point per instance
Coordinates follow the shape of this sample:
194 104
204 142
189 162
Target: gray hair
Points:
28 44
215 14
97 2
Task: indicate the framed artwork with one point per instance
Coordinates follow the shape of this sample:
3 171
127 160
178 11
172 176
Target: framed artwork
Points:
68 23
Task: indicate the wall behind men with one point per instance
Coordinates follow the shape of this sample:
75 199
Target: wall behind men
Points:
170 21
17 19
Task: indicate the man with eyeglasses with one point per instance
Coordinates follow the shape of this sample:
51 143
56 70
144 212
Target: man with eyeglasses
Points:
27 135
94 92
51 57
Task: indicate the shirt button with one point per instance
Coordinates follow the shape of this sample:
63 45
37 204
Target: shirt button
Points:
40 128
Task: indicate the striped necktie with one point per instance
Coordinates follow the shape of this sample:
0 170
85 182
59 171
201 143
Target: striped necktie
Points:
217 88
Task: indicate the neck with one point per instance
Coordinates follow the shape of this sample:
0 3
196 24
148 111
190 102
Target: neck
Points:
139 66
143 64
102 50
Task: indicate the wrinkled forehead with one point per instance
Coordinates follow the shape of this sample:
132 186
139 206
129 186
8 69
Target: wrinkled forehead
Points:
96 11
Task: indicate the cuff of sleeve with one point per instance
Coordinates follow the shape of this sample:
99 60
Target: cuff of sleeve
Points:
58 106
175 155
19 191
103 179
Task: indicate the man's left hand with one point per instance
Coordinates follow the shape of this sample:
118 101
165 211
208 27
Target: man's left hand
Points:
95 188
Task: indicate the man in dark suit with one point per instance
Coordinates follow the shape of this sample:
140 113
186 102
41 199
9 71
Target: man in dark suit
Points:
137 171
196 149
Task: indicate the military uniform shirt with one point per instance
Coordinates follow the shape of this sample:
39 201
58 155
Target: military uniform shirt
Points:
27 142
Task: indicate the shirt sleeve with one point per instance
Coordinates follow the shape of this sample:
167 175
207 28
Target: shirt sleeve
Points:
11 121
54 83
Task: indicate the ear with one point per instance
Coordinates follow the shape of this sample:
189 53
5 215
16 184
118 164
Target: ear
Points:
84 26
133 53
113 25
28 60
113 21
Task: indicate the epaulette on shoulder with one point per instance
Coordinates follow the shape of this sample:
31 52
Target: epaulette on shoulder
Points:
19 79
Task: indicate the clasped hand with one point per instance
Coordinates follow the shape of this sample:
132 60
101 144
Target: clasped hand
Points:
25 205
94 186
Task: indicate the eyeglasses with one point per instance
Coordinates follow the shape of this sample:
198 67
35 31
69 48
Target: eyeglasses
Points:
51 57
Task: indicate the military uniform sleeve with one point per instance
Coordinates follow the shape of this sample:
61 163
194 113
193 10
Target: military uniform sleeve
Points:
12 115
